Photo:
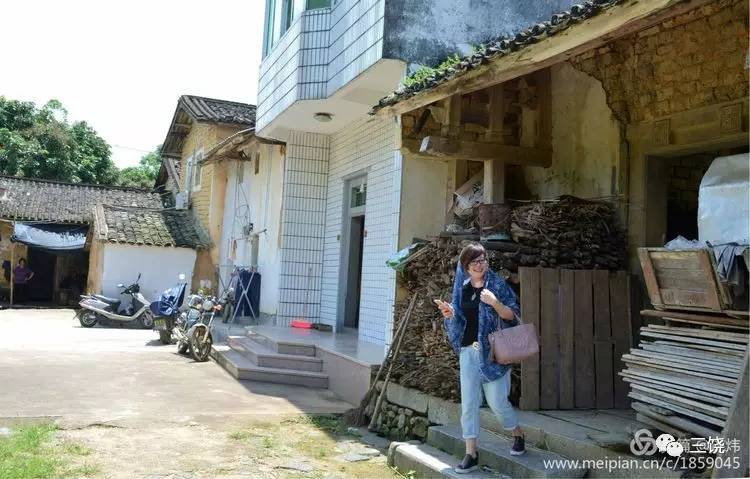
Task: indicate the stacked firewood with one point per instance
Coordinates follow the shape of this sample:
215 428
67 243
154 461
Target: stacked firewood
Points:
426 361
569 233
683 379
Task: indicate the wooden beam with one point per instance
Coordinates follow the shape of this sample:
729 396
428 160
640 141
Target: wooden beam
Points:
496 112
441 148
494 181
599 30
451 124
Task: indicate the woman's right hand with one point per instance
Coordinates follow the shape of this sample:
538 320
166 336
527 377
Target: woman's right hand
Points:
446 309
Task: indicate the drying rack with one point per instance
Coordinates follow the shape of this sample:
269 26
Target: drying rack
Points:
244 289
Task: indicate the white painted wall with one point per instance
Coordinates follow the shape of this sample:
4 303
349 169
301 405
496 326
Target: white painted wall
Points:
159 267
368 146
256 199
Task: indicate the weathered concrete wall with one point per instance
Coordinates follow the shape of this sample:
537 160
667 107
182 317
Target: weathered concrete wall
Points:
586 140
424 186
255 198
425 32
207 201
690 61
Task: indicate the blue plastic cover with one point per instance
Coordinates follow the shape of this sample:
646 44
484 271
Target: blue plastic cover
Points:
51 236
170 301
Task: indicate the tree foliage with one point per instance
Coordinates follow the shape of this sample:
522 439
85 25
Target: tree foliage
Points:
143 175
42 143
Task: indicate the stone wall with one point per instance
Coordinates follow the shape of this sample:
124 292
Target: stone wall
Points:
690 61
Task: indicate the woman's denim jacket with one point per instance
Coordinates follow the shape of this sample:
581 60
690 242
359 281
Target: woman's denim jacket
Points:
488 320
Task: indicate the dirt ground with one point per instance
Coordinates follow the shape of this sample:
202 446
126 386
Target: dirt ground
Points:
139 410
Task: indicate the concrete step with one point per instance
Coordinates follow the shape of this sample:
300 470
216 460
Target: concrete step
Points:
267 358
429 462
283 347
494 451
242 368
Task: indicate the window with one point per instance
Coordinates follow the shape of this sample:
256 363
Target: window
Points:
279 17
197 170
311 4
358 195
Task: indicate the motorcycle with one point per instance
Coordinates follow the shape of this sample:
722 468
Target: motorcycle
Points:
97 308
193 326
166 311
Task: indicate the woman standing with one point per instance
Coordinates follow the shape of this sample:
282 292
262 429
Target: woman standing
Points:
21 277
482 302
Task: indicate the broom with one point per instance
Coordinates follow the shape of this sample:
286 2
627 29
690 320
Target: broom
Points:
357 416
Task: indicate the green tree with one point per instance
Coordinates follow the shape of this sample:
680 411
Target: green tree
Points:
42 143
143 175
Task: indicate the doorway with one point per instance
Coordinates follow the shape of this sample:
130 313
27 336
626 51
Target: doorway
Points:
42 263
352 248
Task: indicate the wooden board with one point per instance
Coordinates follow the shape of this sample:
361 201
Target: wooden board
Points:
674 420
684 279
693 340
694 405
567 338
603 349
530 283
698 318
685 380
619 299
585 390
676 408
691 372
549 347
696 394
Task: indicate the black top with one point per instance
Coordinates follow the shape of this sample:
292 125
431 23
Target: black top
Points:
470 308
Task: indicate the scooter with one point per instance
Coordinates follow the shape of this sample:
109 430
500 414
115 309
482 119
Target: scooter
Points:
97 308
166 311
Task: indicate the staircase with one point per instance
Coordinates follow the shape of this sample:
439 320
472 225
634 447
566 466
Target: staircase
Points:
445 447
259 358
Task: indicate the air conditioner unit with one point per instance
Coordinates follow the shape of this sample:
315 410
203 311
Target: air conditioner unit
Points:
181 200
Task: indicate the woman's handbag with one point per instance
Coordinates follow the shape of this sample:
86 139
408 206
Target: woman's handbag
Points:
513 345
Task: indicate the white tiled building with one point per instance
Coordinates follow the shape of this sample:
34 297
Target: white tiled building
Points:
326 62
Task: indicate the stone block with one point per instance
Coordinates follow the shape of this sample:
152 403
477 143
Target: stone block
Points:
440 411
407 397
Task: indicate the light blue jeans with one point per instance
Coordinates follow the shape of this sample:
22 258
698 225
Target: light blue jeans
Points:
496 393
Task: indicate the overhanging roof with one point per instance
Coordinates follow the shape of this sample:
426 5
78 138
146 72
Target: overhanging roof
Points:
567 34
191 109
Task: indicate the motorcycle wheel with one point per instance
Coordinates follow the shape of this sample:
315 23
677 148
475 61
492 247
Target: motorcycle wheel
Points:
182 347
200 345
146 320
87 319
165 337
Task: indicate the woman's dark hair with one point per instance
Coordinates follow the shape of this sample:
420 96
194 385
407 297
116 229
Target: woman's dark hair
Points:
471 252
22 259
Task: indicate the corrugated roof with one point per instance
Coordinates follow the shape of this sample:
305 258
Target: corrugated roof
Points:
501 47
30 199
149 227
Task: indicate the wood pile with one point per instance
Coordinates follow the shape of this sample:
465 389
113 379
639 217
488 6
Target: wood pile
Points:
684 375
570 233
427 361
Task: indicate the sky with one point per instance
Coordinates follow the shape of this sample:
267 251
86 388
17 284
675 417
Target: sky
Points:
121 65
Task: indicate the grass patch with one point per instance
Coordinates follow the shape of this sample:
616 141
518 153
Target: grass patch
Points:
31 453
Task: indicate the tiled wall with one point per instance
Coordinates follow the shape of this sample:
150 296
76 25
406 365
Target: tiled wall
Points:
302 228
365 147
322 50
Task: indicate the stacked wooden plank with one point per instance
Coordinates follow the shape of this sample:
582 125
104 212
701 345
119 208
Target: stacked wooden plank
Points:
684 375
583 319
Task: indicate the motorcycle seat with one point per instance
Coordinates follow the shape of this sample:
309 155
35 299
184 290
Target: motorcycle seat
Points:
105 299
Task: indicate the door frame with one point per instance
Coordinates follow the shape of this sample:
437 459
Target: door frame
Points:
347 213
